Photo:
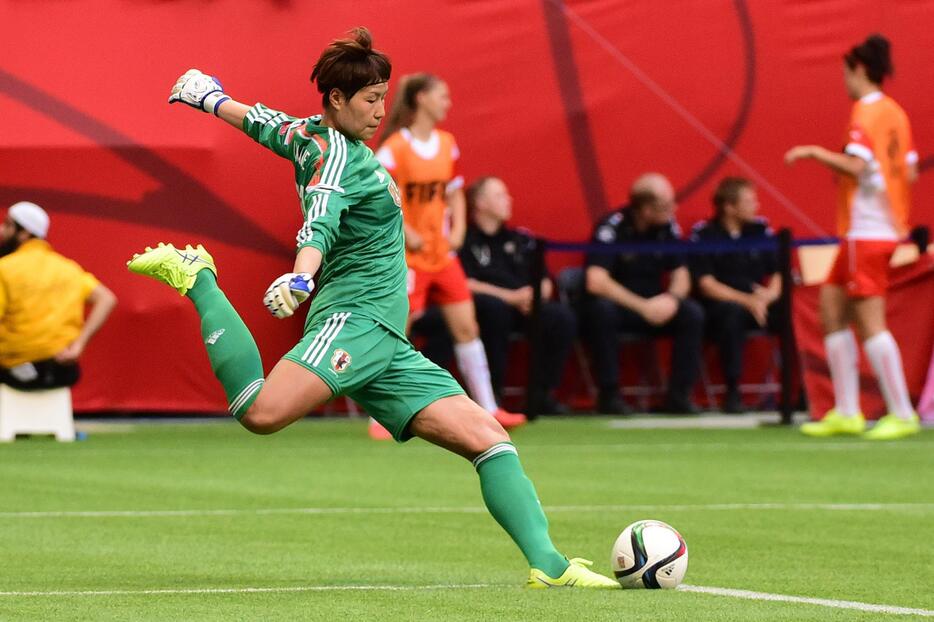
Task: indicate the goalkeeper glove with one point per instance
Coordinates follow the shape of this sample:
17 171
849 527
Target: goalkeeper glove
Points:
198 91
287 292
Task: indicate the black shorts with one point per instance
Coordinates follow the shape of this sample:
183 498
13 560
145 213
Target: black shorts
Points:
47 374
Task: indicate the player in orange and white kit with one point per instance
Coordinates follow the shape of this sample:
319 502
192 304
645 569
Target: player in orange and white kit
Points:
423 161
875 172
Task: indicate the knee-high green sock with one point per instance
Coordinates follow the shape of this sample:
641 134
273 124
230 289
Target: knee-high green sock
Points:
234 356
511 499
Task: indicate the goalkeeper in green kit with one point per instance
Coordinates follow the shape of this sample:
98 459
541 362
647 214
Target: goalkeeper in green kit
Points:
351 249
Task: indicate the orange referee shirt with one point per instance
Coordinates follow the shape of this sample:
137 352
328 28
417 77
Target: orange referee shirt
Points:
42 297
425 172
876 206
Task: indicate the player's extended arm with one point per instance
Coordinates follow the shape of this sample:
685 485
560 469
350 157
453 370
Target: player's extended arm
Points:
206 93
837 162
233 112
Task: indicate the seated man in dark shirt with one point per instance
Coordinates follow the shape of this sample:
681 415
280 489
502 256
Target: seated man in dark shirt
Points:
739 289
628 293
498 262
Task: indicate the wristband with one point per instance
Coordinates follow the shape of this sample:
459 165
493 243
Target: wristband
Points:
212 101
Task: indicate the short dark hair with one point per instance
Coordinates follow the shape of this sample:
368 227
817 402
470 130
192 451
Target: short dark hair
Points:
349 65
474 189
875 55
727 192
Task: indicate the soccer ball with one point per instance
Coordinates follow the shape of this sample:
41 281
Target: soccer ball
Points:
650 554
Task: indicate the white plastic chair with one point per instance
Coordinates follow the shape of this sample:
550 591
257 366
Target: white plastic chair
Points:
46 411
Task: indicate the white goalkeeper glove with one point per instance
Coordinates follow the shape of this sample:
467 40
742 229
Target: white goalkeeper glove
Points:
198 91
287 292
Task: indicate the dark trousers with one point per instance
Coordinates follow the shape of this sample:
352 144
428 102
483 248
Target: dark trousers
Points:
431 335
606 319
49 374
729 323
498 320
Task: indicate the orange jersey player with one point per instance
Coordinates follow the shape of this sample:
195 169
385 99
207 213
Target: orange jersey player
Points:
872 210
875 206
425 172
423 161
875 172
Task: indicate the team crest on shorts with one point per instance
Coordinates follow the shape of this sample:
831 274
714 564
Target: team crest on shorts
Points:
340 361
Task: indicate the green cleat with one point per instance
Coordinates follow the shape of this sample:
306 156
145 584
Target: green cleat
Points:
173 267
577 575
834 424
892 427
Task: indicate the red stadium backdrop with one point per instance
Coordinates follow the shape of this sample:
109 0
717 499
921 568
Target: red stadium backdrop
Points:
567 102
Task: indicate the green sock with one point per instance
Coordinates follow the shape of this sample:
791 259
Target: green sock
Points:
511 499
234 356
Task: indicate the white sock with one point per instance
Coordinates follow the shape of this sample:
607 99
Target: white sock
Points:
843 359
471 360
886 361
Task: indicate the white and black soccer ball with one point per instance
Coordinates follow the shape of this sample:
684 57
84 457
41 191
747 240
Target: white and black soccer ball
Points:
649 554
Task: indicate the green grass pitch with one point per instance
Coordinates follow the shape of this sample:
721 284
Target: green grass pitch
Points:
208 522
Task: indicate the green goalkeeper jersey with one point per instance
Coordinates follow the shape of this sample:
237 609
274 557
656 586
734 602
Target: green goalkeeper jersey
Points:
352 214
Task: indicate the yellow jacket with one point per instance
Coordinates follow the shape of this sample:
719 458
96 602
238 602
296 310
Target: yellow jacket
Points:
42 299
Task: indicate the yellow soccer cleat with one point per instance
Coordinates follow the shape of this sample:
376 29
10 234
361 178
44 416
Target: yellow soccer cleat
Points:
577 575
834 424
892 427
175 268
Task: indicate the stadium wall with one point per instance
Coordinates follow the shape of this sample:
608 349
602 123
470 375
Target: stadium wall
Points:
566 101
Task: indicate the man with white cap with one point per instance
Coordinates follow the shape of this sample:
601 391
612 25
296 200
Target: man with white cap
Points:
42 336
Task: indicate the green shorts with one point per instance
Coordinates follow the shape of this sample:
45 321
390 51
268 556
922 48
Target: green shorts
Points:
362 359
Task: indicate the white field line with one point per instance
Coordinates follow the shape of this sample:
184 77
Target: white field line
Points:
715 591
252 590
554 509
821 602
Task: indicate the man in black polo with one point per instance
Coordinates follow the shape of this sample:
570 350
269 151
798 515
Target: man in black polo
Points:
498 263
739 290
628 292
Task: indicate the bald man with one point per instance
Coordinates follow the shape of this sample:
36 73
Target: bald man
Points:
642 293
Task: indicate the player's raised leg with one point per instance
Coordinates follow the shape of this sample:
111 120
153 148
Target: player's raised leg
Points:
233 353
461 426
231 349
